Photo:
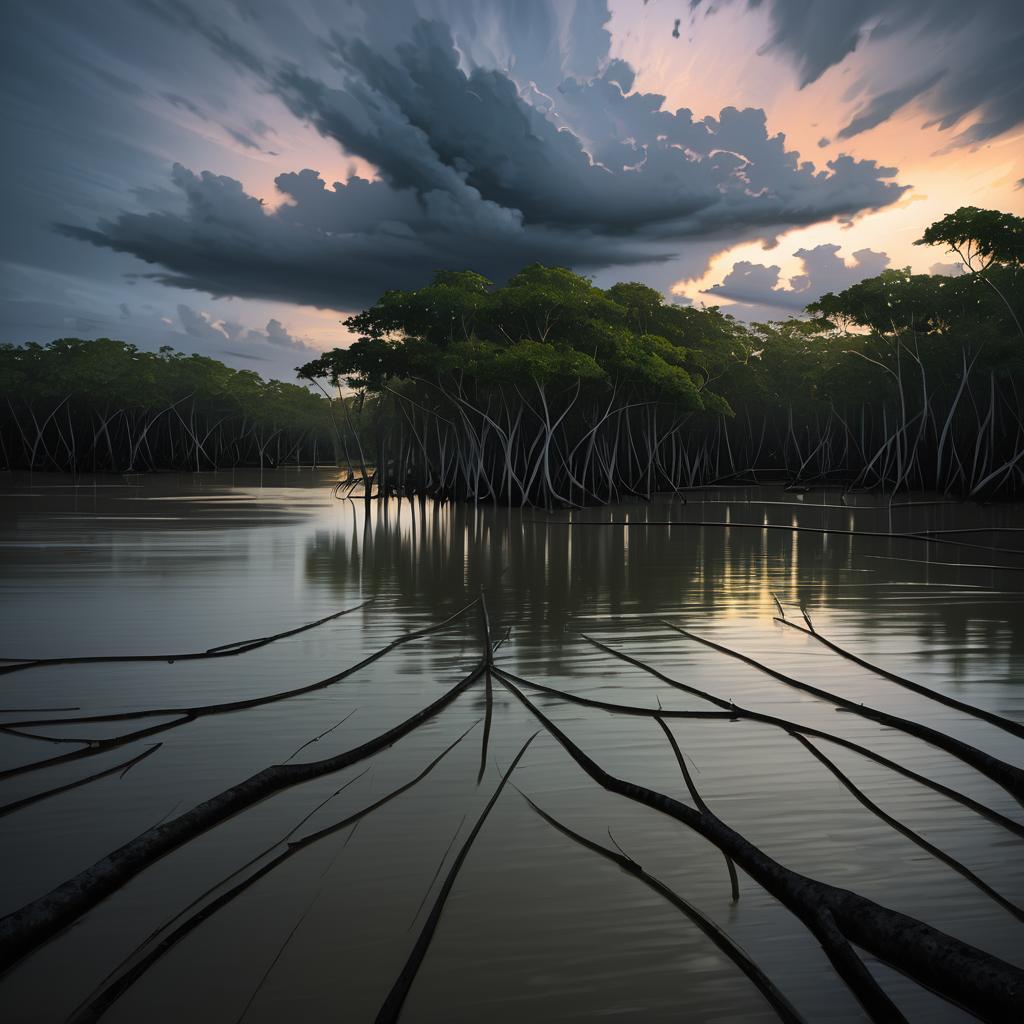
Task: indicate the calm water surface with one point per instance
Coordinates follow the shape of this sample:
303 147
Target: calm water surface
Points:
536 927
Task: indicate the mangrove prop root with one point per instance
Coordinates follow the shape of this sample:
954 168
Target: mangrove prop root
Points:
146 954
782 1006
437 871
183 715
979 982
25 929
849 966
17 805
224 651
1006 724
1006 775
894 823
392 1005
320 736
734 881
488 712
488 687
737 713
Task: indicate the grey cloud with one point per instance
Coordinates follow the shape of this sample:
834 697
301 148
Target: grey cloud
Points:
276 334
883 106
183 103
980 45
242 139
202 325
198 325
947 269
754 284
474 174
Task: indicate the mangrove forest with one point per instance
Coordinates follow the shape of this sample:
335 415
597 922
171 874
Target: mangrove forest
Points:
550 391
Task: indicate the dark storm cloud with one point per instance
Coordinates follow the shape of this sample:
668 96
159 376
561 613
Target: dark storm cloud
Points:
183 103
966 58
883 106
478 166
755 284
202 326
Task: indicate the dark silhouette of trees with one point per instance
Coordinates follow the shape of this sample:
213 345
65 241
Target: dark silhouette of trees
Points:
106 406
551 391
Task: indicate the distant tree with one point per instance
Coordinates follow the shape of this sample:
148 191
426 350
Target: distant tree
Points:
990 245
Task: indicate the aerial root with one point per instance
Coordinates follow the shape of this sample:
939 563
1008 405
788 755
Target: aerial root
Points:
981 983
146 954
224 651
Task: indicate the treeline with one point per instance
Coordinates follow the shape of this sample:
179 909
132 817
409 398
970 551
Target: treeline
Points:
104 406
550 391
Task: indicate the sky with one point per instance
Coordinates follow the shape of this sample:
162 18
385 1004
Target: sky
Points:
235 177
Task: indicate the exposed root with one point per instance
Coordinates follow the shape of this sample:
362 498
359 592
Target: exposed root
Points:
1006 775
392 1006
782 1006
24 930
183 715
224 651
981 983
1006 724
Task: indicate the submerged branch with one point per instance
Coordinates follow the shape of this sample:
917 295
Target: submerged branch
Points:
1006 724
392 1006
146 954
1006 775
981 983
25 929
782 1006
224 651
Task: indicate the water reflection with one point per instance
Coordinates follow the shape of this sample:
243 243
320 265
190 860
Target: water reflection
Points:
536 928
545 575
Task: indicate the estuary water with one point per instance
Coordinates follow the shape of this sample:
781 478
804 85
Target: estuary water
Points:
536 927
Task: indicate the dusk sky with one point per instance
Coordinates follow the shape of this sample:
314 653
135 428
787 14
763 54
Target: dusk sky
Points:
235 177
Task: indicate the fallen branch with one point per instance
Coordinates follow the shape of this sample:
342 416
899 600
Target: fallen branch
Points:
27 801
981 983
968 709
396 997
1006 775
24 930
181 716
145 955
698 800
224 651
782 1006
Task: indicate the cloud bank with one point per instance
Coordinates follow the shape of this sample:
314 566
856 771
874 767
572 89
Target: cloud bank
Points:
501 134
964 61
824 270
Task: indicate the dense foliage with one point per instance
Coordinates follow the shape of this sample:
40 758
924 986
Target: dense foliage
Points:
105 406
549 390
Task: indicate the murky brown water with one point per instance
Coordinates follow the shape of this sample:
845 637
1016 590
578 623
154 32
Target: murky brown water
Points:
537 928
